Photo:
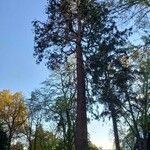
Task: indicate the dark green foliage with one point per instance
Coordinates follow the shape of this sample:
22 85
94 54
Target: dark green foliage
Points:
46 140
53 39
109 70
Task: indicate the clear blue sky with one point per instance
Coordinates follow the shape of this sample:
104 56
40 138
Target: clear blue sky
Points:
19 71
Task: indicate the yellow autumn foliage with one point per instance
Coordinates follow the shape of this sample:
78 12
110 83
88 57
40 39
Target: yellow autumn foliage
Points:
12 110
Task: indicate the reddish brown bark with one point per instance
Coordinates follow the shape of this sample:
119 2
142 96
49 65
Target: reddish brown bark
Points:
81 121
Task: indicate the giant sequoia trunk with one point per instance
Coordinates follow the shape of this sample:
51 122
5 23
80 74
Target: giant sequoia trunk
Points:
81 121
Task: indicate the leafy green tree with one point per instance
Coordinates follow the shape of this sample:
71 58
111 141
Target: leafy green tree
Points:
55 101
59 104
46 140
63 113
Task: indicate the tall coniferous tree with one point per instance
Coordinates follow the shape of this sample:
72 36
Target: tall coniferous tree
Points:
64 30
109 70
72 26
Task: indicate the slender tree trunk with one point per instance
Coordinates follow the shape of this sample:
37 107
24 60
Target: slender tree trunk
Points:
81 121
115 127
